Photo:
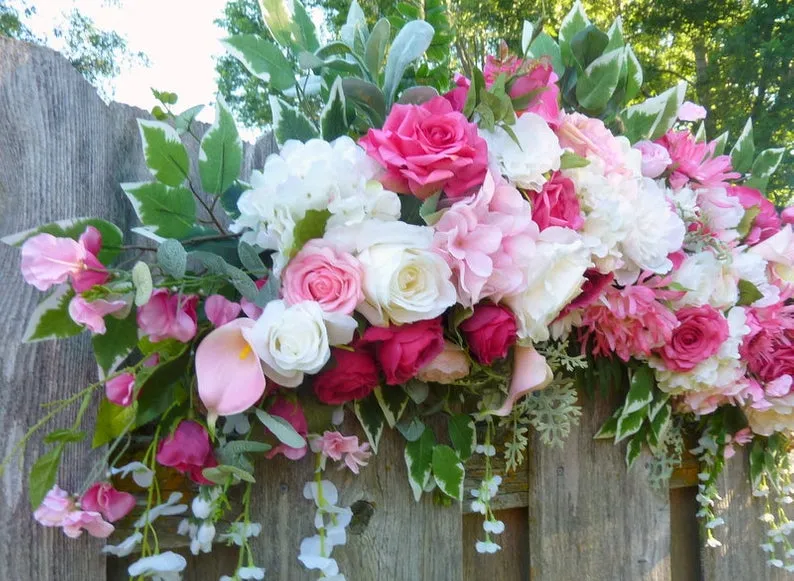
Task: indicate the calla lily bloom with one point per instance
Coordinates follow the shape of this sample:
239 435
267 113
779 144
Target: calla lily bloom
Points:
530 373
230 376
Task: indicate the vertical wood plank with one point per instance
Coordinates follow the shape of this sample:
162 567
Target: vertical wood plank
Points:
509 564
739 557
391 537
206 567
684 544
588 517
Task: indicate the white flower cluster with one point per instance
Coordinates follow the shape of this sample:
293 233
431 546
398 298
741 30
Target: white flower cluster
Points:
201 528
492 526
330 521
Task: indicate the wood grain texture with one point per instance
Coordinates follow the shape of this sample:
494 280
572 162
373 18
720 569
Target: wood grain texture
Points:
205 567
684 543
590 519
739 557
512 562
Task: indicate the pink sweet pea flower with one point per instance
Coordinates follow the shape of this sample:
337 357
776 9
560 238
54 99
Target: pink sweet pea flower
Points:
168 316
689 111
188 450
47 260
336 446
221 310
530 373
119 390
93 272
112 504
92 314
457 96
76 521
229 373
293 413
55 507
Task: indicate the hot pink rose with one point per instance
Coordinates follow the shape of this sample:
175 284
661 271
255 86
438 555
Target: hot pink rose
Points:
769 346
323 274
188 450
55 507
92 314
533 81
403 350
428 148
221 310
457 96
168 316
352 375
449 366
112 504
556 204
489 332
292 412
79 520
766 223
700 333
120 389
655 159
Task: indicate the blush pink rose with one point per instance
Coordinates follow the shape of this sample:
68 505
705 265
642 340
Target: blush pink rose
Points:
221 310
188 450
699 334
457 96
589 136
168 316
321 273
403 350
92 314
556 204
490 332
292 412
533 81
766 223
449 366
428 148
655 158
112 504
119 390
55 507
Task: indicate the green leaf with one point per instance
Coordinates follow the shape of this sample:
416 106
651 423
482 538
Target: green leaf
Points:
653 117
419 461
463 435
230 196
43 475
427 211
756 464
417 95
368 97
263 59
184 120
269 292
167 211
172 257
527 34
165 155
278 21
748 293
588 44
546 46
112 236
50 319
392 401
629 424
596 86
720 143
634 76
142 280
610 428
159 388
237 447
743 150
120 338
448 471
409 45
370 416
747 220
417 390
411 430
221 152
303 27
634 448
376 46
575 21
615 35
354 32
641 391
221 474
281 429
64 435
111 421
249 258
333 119
570 160
661 423
764 166
290 123
311 226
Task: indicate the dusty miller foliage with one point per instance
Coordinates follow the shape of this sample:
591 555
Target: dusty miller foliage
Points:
666 456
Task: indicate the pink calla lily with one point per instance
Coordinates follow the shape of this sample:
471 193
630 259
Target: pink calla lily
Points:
229 373
530 373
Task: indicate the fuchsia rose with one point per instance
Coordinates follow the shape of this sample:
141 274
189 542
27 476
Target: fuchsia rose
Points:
112 504
188 450
556 204
403 350
535 81
457 96
168 316
221 310
352 375
655 158
700 333
694 161
449 366
766 223
428 148
489 332
92 314
292 412
120 389
320 273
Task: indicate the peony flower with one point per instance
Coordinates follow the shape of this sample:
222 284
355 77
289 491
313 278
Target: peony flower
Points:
229 374
162 567
75 522
47 260
766 222
188 450
695 162
221 310
112 504
769 346
530 373
589 138
655 159
778 250
534 80
707 280
457 96
55 507
524 163
428 148
292 412
699 334
489 332
297 339
689 111
448 366
321 273
168 316
556 204
487 240
353 375
402 351
92 314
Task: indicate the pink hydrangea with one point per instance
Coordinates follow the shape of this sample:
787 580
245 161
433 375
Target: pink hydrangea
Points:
689 111
694 161
556 204
168 316
488 241
337 447
292 412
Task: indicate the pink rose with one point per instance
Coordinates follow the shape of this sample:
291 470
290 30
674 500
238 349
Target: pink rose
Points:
120 389
92 314
589 136
769 346
221 310
457 96
700 333
292 412
490 332
787 215
448 366
323 274
188 450
428 148
655 158
168 316
403 350
534 81
766 223
556 204
55 507
76 521
352 375
112 504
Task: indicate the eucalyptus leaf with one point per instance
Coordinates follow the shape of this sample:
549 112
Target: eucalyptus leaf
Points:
172 257
281 429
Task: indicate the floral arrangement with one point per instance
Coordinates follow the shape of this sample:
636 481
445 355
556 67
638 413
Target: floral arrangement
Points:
472 253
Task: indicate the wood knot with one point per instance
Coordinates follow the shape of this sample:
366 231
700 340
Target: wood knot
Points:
362 513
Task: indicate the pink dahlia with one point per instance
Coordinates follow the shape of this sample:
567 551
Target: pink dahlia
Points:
694 161
769 346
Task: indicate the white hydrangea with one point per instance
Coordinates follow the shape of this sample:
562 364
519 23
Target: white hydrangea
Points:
524 163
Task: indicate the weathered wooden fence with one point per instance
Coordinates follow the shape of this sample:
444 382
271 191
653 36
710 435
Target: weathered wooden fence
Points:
572 514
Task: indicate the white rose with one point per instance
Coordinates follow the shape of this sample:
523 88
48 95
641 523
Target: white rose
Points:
524 165
404 280
555 278
295 340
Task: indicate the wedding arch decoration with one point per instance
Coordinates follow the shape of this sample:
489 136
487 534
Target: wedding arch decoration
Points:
471 249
